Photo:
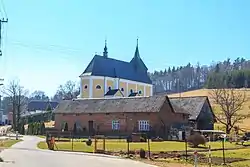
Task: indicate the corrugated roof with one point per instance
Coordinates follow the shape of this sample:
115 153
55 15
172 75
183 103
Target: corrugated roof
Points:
103 66
192 105
135 104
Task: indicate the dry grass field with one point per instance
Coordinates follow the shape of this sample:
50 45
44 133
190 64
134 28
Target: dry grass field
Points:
245 125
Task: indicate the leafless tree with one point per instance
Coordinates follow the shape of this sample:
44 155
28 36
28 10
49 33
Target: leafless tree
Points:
39 95
18 101
67 91
230 102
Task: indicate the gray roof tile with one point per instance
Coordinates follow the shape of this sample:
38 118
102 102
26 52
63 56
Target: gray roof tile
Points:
192 105
102 66
131 104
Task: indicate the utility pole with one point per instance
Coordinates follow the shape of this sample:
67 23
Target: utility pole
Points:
1 110
1 22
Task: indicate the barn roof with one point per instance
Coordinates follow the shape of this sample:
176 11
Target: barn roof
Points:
193 105
129 104
41 105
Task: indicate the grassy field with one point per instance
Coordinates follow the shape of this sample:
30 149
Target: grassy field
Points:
8 143
245 124
121 145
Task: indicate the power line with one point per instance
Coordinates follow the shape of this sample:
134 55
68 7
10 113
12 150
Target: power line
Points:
49 48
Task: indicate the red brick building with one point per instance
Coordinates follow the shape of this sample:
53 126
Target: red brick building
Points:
119 116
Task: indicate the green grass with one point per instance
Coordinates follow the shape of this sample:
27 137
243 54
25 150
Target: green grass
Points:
118 145
8 143
121 145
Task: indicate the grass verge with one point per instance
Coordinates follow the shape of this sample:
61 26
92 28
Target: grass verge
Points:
8 143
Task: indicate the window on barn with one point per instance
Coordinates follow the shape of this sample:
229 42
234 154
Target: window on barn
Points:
115 125
98 87
143 125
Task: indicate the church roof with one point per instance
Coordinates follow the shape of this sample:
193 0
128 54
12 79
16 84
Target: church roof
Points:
109 67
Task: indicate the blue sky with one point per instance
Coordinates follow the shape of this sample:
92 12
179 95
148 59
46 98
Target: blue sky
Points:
49 42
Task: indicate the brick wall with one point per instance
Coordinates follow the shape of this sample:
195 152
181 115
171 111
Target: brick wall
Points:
128 121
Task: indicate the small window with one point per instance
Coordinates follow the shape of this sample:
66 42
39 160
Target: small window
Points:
109 88
139 92
85 86
115 125
98 87
131 90
122 89
143 125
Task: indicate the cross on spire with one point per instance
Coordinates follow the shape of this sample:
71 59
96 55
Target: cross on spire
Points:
105 53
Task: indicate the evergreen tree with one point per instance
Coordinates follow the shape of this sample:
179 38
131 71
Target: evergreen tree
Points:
42 128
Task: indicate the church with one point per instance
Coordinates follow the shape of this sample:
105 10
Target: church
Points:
106 77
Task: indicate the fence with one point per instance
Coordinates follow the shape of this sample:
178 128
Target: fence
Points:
67 141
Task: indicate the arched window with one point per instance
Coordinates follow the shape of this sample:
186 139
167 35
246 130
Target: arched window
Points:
85 86
122 89
98 87
131 90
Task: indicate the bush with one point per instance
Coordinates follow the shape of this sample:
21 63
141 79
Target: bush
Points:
157 139
142 153
22 130
42 128
196 139
89 142
30 129
143 139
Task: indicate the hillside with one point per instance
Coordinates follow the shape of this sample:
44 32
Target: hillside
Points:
206 92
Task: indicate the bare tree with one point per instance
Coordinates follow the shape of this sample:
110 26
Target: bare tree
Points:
67 91
18 99
230 101
39 95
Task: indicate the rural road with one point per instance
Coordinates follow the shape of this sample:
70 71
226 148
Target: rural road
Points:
26 154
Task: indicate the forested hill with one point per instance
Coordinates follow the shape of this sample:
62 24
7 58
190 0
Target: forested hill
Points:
234 73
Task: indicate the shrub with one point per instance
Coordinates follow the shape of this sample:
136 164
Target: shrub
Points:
142 153
196 139
89 142
157 139
22 130
42 128
142 139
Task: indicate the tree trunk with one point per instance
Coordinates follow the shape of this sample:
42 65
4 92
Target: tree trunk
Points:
228 129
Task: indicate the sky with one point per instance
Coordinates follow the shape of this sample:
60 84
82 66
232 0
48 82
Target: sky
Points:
47 42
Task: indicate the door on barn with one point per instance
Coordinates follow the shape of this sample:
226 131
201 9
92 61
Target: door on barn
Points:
91 127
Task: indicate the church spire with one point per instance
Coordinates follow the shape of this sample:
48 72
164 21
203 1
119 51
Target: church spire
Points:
105 53
137 61
137 54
